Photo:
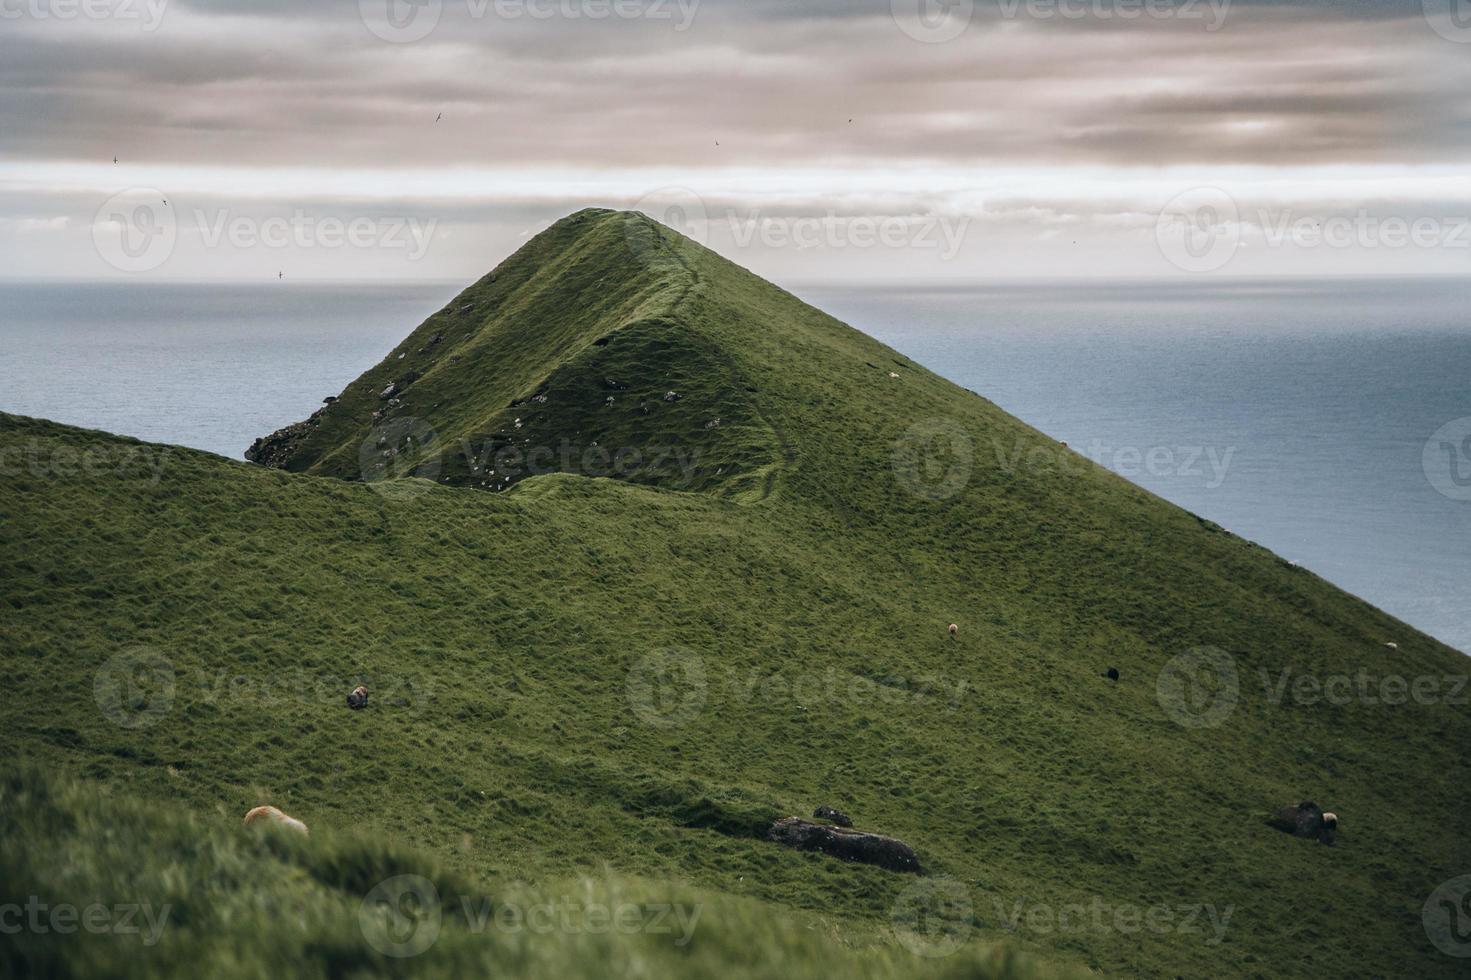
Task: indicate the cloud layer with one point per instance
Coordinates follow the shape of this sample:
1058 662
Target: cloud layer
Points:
502 113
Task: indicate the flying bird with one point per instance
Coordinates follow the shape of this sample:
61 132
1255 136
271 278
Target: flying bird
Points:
439 117
114 159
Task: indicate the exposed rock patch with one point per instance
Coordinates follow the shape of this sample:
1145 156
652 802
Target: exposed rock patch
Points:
849 845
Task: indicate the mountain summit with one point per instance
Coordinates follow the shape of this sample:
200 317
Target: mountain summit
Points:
713 593
607 346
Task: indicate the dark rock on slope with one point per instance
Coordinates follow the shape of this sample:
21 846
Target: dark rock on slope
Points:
849 845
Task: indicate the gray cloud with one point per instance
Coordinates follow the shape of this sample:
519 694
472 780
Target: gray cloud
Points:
264 106
775 83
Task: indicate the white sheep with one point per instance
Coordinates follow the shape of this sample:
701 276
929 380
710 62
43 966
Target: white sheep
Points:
270 816
953 630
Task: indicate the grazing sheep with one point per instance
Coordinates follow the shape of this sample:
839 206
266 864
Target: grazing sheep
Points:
270 816
1112 673
1308 820
954 630
358 699
1392 646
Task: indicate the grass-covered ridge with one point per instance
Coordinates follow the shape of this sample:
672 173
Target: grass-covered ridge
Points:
638 673
575 355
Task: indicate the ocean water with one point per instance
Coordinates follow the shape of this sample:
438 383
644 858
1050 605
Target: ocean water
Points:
1295 413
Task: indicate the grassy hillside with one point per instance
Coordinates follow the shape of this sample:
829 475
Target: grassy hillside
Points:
640 673
179 894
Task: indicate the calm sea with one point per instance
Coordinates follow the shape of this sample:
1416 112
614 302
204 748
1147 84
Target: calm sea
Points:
1295 413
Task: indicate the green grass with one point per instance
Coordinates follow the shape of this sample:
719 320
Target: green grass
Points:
636 674
175 893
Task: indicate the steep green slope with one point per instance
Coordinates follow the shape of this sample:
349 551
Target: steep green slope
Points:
642 672
570 357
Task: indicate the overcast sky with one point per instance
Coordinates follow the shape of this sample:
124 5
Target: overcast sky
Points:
809 139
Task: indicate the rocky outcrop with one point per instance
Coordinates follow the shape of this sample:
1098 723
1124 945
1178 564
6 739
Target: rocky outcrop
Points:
278 447
849 845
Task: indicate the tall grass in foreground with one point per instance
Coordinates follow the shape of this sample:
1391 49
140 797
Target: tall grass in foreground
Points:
93 883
